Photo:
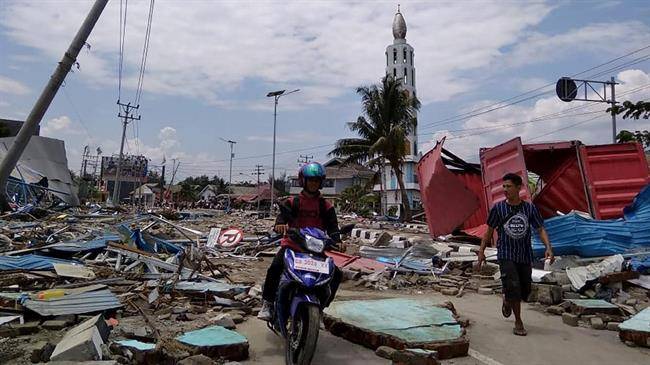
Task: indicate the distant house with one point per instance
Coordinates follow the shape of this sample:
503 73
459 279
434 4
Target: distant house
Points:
208 192
338 178
146 194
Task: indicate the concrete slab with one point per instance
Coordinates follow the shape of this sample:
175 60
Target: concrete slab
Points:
216 342
636 329
96 321
399 323
593 306
81 346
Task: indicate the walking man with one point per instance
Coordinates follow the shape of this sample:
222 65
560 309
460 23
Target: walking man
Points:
513 219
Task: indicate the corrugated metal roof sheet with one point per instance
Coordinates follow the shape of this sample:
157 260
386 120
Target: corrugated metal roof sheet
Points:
573 234
497 161
88 302
30 262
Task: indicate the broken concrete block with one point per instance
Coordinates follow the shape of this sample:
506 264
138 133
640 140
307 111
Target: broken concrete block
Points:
41 351
486 291
215 342
597 323
79 346
237 318
385 352
449 291
224 321
593 306
549 294
197 360
415 357
570 319
612 326
555 309
142 352
636 330
571 295
54 325
96 321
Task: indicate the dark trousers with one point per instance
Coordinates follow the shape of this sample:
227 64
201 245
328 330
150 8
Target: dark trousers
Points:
273 274
516 279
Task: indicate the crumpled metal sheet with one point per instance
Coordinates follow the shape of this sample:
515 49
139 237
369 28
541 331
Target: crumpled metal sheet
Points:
87 302
573 234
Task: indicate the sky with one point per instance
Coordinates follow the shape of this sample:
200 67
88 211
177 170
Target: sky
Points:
210 65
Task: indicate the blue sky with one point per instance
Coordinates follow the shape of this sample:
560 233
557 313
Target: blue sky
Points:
211 64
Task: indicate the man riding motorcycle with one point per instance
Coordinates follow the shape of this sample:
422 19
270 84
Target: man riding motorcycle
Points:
309 209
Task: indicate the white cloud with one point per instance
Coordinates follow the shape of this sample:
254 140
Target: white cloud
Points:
58 127
10 86
326 49
594 38
484 130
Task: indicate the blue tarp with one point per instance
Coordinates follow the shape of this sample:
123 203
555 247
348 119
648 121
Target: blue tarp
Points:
30 262
572 234
158 245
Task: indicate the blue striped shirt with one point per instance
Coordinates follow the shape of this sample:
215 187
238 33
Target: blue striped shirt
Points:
513 224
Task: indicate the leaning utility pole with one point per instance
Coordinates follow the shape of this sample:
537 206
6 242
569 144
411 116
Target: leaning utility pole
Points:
46 97
127 117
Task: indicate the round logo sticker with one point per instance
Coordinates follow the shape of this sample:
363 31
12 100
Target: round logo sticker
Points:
230 237
517 226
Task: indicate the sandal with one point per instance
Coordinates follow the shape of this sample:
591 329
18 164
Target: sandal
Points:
506 310
519 331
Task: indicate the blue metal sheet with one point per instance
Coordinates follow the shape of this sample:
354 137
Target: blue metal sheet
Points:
96 244
30 262
573 234
88 302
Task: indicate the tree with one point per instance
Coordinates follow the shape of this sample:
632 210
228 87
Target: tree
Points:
643 137
4 130
630 110
389 116
280 184
357 198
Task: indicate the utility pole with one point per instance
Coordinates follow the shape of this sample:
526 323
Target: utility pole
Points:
232 155
259 170
127 117
304 159
612 83
47 95
276 96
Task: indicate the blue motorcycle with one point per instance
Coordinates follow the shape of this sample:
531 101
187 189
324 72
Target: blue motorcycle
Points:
303 293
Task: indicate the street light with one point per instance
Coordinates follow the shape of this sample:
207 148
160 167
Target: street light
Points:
232 143
276 95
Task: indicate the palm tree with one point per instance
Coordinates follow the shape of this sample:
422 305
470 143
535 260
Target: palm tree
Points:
389 116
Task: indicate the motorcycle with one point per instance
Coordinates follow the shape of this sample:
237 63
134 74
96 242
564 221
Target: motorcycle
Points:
303 293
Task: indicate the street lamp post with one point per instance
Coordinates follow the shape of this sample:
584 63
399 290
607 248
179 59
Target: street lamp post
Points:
232 143
276 96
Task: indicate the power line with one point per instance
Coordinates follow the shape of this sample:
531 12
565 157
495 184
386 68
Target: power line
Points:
122 42
497 105
145 53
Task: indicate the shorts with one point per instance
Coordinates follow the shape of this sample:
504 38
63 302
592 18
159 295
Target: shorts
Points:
516 279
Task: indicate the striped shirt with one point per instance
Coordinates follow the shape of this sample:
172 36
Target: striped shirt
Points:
513 224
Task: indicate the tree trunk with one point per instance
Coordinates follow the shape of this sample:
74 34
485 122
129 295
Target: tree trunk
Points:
406 217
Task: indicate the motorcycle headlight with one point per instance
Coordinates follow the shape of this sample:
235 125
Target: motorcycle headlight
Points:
314 244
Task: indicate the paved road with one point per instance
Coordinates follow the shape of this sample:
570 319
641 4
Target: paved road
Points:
549 341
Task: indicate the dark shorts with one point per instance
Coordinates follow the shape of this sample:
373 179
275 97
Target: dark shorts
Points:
516 280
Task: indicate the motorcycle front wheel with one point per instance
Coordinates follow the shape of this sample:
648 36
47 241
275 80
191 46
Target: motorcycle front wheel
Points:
303 336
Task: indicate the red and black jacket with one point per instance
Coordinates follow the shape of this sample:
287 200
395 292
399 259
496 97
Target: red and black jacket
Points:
307 210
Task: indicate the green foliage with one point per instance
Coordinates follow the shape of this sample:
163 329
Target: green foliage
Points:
4 130
630 110
643 137
358 199
389 116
